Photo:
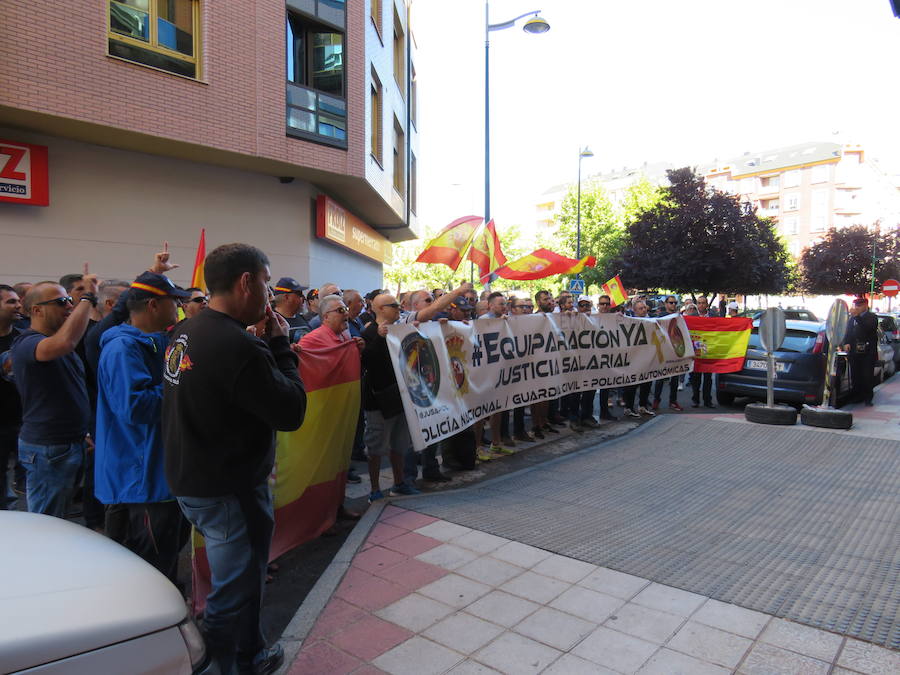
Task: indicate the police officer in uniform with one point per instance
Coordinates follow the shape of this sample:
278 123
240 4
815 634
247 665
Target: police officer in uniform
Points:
861 343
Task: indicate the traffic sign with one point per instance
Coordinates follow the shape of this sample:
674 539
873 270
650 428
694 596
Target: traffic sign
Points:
890 288
576 286
771 329
836 325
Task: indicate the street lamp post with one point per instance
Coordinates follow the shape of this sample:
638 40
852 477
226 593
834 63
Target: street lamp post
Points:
581 155
536 24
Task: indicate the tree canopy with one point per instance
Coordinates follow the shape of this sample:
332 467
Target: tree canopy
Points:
698 238
842 261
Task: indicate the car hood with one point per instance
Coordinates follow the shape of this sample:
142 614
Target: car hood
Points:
67 589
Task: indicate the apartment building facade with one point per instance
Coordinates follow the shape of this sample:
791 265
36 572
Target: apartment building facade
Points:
810 188
287 124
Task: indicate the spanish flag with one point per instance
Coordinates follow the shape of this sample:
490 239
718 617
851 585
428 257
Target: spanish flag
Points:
486 252
616 291
450 245
311 463
542 263
198 279
720 344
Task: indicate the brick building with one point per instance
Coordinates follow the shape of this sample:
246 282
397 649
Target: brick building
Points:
258 120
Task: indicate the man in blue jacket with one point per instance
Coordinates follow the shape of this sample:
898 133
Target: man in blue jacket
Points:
129 465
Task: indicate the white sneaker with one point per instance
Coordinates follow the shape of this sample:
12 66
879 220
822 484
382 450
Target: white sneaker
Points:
680 387
643 411
630 413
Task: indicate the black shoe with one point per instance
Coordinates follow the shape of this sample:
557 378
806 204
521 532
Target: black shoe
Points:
352 476
266 662
437 478
869 404
610 417
709 405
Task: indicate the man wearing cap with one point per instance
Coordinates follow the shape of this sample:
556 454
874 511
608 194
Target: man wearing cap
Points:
460 309
288 302
861 343
733 309
50 377
128 470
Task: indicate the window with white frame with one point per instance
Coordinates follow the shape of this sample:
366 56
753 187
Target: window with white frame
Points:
791 178
821 173
790 225
792 201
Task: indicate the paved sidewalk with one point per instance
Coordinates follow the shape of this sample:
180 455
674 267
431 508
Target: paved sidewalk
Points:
424 595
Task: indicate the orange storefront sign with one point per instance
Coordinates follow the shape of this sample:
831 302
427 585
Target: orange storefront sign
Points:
336 224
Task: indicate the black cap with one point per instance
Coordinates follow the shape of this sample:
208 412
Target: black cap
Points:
288 285
462 302
152 285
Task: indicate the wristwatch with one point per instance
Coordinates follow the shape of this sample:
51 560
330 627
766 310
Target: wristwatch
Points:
90 297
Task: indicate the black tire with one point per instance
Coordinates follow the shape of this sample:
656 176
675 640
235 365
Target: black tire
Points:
725 398
825 418
762 414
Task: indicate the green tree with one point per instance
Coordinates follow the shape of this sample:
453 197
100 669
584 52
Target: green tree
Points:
697 238
842 261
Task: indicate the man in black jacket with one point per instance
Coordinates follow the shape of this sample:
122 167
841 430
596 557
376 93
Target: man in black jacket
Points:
226 391
861 343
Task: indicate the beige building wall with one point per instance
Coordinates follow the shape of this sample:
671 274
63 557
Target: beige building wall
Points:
115 208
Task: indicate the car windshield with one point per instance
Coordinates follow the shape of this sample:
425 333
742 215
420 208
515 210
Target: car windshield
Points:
800 341
887 322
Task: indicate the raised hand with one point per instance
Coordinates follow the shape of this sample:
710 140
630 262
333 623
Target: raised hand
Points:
161 263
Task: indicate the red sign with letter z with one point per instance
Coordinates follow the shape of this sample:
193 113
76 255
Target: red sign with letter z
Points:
23 173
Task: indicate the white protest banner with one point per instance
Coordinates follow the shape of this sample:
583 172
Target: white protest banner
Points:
451 375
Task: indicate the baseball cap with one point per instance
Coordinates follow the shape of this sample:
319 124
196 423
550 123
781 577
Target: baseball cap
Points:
461 302
584 301
153 285
288 285
733 305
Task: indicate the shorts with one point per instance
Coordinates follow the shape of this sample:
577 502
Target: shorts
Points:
384 436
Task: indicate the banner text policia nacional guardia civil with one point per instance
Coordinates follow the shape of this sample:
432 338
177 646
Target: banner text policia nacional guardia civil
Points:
454 374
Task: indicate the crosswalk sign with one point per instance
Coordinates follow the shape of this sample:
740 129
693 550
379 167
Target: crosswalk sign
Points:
576 286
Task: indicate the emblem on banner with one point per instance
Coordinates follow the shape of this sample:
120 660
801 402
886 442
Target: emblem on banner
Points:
454 345
421 370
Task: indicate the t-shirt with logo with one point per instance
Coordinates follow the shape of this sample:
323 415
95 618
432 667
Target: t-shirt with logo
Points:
55 406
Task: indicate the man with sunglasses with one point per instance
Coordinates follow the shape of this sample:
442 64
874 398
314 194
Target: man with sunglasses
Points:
196 303
324 291
669 306
50 377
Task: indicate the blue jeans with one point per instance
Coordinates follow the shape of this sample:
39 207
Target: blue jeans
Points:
51 471
238 532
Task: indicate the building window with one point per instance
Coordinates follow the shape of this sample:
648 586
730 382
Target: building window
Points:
792 202
821 173
376 119
791 178
769 183
399 54
413 188
399 157
790 225
819 219
375 14
748 186
413 95
315 81
158 33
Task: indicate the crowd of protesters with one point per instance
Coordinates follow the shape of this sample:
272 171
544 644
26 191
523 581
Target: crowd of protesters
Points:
160 405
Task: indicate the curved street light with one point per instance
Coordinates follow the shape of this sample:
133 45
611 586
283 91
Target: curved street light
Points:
535 25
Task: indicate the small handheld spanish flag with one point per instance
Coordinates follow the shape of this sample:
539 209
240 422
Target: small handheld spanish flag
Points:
198 279
616 291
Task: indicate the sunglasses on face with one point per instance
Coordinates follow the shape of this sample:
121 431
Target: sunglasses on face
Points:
59 302
342 310
603 304
200 299
394 305
671 302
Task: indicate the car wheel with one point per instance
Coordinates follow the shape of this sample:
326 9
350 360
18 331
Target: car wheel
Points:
826 418
778 414
725 398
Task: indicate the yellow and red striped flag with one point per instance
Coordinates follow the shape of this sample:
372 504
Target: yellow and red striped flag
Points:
720 344
542 263
486 252
198 278
616 291
450 245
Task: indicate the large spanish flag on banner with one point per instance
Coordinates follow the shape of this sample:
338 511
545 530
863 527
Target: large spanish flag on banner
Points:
542 263
616 291
486 253
720 345
311 463
450 245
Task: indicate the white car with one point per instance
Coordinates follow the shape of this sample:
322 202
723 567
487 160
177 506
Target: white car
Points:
74 602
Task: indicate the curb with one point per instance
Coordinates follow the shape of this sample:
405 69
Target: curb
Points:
303 620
